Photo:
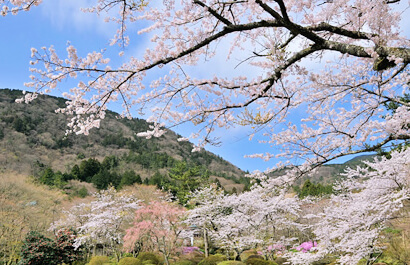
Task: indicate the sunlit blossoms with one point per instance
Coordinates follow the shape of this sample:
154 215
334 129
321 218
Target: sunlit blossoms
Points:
102 220
315 80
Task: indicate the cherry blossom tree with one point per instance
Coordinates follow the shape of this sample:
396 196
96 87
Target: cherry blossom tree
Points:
14 6
337 62
350 225
347 227
158 227
313 77
101 221
256 218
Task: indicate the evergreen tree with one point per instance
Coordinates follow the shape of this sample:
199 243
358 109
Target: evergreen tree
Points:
47 177
75 172
129 178
102 179
88 168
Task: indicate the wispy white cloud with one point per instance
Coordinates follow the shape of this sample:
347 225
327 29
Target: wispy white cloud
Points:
65 15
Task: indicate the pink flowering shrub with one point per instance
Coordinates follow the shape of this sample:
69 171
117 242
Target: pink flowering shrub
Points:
189 250
272 250
306 246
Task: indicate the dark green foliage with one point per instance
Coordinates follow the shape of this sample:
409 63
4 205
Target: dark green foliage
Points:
102 179
75 172
149 160
18 125
39 250
65 250
82 193
129 261
89 168
110 162
60 180
99 260
311 189
213 260
63 142
185 179
129 177
158 180
47 177
50 178
146 256
1 133
258 261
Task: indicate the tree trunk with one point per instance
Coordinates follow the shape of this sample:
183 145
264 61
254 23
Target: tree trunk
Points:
206 243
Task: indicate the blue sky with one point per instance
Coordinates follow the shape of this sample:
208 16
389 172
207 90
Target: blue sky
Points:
56 22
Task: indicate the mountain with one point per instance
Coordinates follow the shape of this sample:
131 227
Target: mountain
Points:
33 135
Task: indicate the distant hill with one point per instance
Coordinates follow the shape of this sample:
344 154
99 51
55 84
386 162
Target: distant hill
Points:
33 134
329 173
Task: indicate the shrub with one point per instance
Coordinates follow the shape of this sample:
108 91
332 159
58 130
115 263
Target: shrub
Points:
37 250
257 261
281 260
99 260
247 253
129 261
82 193
255 256
184 262
213 260
231 262
64 246
147 256
192 254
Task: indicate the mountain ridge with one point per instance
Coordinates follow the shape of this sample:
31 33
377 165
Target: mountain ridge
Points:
34 133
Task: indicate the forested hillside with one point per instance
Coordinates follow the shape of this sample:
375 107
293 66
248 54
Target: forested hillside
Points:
33 142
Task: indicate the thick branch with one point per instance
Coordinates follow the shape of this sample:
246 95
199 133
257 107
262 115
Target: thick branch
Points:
340 31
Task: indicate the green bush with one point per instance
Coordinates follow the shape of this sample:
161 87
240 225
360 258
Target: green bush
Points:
247 253
231 262
213 260
39 250
99 260
146 256
194 257
184 262
281 261
82 193
255 256
129 261
257 261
